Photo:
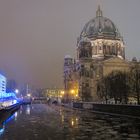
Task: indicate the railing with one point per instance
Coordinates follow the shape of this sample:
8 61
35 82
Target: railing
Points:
125 109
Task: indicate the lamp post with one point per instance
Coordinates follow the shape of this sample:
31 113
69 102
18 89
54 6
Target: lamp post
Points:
16 91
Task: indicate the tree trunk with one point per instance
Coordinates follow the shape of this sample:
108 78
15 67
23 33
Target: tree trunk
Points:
106 100
115 101
138 98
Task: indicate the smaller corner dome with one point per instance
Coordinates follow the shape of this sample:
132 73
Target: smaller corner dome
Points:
85 39
67 57
100 27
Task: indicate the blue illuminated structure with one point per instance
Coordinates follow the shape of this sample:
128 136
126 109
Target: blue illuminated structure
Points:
7 95
6 99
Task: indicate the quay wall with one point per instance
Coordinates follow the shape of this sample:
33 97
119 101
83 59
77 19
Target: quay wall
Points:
132 110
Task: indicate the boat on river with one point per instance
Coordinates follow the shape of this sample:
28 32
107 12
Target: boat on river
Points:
9 102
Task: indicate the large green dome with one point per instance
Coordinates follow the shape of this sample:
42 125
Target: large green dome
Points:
100 27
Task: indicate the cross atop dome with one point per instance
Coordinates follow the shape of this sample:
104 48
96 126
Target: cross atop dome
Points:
99 12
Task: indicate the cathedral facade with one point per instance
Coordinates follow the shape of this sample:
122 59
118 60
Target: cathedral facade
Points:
100 50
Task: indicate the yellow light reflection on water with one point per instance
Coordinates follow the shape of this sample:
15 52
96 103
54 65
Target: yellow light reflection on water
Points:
72 122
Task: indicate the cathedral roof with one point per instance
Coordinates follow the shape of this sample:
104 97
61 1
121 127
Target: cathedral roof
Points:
100 27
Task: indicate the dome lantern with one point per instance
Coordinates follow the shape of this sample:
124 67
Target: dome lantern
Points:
104 37
99 12
100 26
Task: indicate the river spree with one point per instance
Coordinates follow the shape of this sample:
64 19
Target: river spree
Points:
44 122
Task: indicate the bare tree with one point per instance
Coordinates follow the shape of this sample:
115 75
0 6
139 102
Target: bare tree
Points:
115 86
135 81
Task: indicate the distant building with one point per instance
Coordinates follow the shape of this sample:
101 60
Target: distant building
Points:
2 84
6 99
54 93
100 50
71 78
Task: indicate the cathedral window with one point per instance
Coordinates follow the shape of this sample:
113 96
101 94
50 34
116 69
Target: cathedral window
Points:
82 70
86 73
87 84
109 50
100 48
91 66
104 49
95 49
113 50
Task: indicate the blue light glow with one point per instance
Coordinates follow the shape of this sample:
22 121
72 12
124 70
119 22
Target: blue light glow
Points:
9 119
2 130
3 94
15 101
8 96
6 99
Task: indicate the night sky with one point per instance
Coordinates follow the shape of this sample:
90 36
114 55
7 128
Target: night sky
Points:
35 35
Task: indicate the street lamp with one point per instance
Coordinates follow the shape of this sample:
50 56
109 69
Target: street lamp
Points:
28 95
72 91
16 91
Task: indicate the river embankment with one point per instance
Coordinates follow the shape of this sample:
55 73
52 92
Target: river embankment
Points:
122 109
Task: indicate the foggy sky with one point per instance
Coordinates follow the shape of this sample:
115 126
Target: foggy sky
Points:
35 35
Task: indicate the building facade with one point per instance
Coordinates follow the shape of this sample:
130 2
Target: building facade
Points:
71 79
54 93
100 50
2 84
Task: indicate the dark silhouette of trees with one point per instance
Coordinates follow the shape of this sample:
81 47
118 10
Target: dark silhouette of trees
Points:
114 86
86 93
135 82
119 86
103 89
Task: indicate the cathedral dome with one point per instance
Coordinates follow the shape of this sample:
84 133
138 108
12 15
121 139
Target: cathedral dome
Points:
100 27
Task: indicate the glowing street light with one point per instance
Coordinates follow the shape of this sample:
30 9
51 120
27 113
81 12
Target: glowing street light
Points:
72 91
29 95
16 91
62 92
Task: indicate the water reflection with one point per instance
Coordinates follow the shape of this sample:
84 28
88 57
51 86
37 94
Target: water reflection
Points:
42 122
9 118
74 121
86 125
2 128
5 119
28 109
16 115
